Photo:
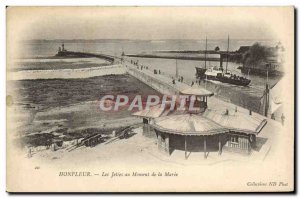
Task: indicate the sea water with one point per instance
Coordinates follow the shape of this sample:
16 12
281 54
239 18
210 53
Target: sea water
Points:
248 97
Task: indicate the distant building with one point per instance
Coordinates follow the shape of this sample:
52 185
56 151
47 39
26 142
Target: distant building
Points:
243 49
270 65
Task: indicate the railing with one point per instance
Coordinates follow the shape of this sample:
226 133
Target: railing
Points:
156 83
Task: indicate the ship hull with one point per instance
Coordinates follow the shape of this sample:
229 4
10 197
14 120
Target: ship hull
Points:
232 81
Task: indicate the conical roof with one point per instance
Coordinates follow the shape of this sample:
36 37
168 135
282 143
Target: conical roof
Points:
237 121
188 124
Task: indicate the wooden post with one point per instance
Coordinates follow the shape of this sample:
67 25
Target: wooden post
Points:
205 147
185 147
266 101
220 148
249 146
159 140
29 152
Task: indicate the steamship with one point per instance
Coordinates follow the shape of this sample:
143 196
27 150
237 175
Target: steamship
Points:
218 74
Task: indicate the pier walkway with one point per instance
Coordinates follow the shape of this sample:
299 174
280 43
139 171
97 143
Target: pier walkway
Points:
197 55
159 82
177 57
66 53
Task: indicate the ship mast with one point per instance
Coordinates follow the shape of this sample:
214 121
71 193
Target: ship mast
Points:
267 96
205 52
176 69
227 54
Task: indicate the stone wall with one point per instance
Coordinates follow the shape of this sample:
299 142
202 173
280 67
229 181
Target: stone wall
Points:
67 73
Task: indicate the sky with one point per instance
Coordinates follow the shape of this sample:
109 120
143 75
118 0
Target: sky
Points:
152 23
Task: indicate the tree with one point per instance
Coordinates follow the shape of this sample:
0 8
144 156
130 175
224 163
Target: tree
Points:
256 54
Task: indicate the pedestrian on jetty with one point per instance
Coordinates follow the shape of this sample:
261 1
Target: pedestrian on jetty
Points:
272 116
192 83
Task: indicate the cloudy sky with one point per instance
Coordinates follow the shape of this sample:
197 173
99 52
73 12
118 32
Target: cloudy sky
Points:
143 23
